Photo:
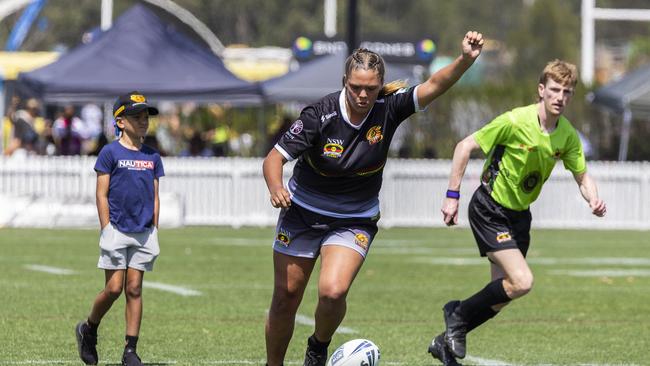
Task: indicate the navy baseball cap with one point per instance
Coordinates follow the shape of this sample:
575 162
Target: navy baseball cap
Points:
132 103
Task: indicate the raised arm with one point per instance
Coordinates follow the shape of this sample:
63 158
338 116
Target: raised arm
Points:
444 78
272 169
589 192
459 163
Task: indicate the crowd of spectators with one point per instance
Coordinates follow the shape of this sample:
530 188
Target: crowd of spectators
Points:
29 128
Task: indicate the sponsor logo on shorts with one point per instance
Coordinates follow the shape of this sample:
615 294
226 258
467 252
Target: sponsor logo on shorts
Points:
503 236
296 127
361 240
374 135
284 237
135 164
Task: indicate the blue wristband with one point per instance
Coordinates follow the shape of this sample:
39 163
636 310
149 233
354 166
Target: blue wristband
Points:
453 194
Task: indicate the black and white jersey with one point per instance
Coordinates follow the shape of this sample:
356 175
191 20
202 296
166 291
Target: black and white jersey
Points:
340 165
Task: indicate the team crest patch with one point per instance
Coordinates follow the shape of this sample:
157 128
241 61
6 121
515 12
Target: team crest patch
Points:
361 240
503 236
296 127
333 150
374 135
138 98
284 237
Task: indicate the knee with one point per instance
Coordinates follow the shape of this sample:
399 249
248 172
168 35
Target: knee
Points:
285 300
133 291
520 284
332 293
113 291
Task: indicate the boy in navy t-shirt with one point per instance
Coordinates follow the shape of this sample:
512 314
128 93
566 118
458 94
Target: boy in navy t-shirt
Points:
128 207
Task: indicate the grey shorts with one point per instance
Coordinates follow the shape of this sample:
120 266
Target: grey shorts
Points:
301 233
134 250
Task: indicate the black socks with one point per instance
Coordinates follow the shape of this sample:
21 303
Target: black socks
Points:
481 317
131 342
492 294
93 327
317 345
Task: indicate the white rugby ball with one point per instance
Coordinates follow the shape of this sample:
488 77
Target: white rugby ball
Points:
357 352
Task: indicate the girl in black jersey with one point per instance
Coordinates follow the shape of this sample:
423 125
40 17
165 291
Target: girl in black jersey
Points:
330 205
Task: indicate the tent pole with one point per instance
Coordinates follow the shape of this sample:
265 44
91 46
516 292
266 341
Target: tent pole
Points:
625 134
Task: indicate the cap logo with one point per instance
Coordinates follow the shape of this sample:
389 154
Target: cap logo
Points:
118 111
138 98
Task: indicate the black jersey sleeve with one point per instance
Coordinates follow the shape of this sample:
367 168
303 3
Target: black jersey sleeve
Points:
401 104
302 134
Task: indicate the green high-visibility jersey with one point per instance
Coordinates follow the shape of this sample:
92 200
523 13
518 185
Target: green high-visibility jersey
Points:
528 155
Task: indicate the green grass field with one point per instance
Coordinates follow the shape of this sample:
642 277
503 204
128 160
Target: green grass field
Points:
590 303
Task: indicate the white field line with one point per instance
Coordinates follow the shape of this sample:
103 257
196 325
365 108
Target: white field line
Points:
464 261
178 290
305 320
50 270
486 362
474 360
604 273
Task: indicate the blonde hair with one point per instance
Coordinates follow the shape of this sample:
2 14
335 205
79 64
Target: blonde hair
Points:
561 72
365 59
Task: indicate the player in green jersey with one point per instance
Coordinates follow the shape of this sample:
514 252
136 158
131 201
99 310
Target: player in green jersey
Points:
522 146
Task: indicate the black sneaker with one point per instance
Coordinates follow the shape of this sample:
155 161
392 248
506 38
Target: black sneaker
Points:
438 349
86 343
455 334
314 357
130 358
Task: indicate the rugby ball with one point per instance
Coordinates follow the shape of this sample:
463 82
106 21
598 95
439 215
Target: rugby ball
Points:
357 352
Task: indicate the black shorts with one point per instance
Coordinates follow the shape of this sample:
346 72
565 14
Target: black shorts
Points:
496 227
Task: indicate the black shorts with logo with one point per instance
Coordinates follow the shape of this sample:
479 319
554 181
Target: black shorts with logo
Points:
496 227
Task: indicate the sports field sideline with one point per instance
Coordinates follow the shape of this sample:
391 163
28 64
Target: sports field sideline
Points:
206 301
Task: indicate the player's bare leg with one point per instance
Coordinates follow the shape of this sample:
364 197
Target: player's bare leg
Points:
133 315
290 279
518 279
133 292
339 267
86 331
114 281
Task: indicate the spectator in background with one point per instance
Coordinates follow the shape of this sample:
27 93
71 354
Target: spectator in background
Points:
69 132
8 125
26 127
196 147
93 120
275 137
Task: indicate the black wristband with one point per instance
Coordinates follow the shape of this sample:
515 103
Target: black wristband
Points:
453 194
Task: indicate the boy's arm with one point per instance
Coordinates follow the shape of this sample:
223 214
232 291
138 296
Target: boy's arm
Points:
101 197
156 203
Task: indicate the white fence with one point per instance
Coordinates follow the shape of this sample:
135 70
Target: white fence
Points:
59 191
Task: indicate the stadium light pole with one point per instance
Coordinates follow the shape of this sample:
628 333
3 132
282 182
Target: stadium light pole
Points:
352 25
